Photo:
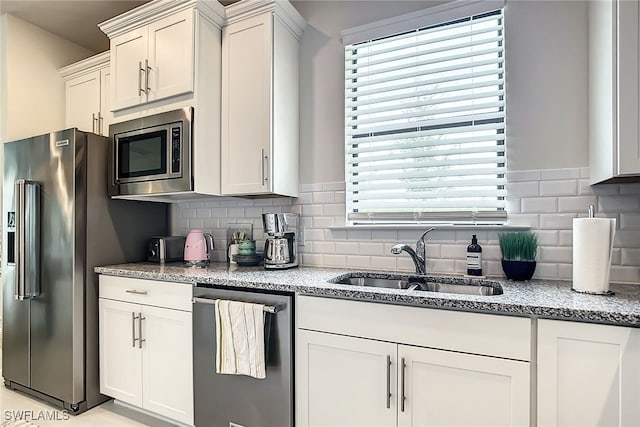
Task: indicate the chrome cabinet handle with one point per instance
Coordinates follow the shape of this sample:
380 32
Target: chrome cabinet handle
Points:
265 167
93 122
133 329
100 122
135 291
388 382
262 178
403 366
140 69
140 340
147 69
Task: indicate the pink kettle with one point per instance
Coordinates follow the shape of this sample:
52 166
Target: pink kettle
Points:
198 247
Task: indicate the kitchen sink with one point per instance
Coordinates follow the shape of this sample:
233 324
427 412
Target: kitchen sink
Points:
452 285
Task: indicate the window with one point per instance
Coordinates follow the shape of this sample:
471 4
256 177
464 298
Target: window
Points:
425 124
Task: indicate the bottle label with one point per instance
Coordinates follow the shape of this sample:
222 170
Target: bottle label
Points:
474 260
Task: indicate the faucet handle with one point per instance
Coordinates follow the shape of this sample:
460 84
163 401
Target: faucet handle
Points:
423 235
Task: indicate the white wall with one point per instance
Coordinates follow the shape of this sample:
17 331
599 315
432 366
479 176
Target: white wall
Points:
33 102
546 51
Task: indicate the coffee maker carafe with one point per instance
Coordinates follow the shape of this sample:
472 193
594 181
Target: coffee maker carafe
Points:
280 247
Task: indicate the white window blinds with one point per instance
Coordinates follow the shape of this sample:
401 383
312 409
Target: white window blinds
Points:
425 124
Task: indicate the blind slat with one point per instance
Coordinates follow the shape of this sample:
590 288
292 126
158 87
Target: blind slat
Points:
423 133
361 148
439 183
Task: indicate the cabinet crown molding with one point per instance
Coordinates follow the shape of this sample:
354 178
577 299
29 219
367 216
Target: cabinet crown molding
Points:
282 8
152 11
84 66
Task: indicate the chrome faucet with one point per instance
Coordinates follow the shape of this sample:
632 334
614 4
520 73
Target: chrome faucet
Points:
419 256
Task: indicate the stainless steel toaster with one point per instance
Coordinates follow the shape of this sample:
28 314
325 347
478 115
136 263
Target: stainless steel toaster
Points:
166 249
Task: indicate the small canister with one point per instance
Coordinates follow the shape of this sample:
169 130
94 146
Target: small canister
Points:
247 247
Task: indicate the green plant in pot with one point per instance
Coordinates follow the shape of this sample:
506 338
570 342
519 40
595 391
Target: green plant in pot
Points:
518 254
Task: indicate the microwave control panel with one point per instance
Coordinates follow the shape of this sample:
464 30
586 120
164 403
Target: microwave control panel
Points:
175 149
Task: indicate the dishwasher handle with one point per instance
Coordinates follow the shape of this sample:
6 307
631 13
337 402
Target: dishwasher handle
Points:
199 300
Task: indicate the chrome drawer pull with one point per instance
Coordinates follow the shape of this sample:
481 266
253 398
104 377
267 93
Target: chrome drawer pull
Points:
134 291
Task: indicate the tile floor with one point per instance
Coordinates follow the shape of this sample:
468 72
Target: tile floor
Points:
20 410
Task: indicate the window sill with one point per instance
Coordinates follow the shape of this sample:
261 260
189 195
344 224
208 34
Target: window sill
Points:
496 227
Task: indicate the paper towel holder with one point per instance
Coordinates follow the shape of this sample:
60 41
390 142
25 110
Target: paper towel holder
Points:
591 214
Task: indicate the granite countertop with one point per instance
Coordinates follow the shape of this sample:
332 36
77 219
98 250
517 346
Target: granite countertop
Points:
551 299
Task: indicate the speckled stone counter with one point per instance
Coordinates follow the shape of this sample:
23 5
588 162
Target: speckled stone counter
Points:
537 298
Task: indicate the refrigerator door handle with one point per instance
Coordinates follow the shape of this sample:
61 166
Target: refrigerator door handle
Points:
27 241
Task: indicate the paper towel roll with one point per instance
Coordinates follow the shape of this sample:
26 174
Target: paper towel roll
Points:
592 248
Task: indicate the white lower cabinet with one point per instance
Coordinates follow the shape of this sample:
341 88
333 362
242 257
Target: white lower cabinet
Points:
146 349
367 381
588 375
444 388
342 381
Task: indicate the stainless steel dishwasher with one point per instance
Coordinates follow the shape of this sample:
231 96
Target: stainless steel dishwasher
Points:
238 400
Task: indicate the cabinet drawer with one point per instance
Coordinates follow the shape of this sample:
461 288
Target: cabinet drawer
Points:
148 292
486 334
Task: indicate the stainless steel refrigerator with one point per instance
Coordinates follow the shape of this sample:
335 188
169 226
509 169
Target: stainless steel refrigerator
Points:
58 224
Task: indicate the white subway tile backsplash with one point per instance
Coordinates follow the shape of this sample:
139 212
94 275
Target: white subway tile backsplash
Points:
555 254
312 210
629 221
359 261
618 204
547 201
520 176
625 274
453 251
347 248
370 248
584 189
546 271
553 174
384 262
557 221
339 261
584 172
576 203
559 187
540 204
333 209
631 188
523 189
333 186
630 256
323 197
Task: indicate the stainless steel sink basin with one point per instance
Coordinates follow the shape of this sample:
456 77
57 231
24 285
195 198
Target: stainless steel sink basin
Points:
453 285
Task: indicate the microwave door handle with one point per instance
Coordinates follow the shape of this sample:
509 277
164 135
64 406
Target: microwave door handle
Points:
27 242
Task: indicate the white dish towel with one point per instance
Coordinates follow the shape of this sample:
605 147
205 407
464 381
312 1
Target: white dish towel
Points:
240 338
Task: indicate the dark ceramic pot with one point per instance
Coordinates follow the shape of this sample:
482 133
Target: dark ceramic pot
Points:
518 270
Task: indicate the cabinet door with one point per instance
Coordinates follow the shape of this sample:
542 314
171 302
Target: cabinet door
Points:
171 46
120 357
629 88
128 55
83 102
444 388
344 381
105 102
167 363
588 375
246 105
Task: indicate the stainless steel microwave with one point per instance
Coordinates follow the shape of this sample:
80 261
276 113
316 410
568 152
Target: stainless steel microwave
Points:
152 155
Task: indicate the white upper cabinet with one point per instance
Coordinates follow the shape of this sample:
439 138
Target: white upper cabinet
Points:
154 61
87 94
260 98
166 55
614 91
